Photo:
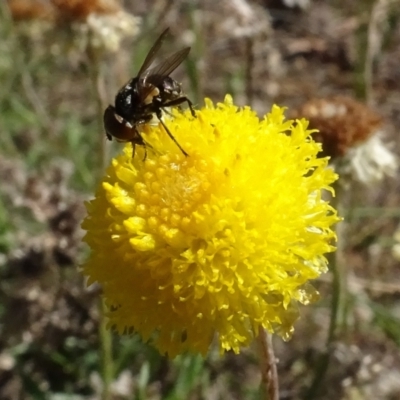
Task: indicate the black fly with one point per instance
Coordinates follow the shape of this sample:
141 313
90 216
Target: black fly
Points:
146 95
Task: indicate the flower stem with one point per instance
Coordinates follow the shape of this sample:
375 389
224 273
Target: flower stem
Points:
97 80
106 353
269 372
322 364
338 301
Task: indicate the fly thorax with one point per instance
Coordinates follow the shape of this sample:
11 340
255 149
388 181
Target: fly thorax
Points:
127 100
153 93
172 87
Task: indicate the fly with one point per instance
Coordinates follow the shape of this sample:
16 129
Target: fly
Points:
146 95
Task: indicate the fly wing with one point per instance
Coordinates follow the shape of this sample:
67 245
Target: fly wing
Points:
166 67
152 53
162 70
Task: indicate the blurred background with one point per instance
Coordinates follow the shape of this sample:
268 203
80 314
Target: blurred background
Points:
62 62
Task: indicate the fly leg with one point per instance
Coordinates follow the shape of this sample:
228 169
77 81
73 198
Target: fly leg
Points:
138 140
159 115
179 101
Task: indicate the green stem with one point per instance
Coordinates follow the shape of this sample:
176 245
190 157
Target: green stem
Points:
338 302
97 80
106 353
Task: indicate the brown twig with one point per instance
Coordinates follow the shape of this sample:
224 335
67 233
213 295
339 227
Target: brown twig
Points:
249 46
269 372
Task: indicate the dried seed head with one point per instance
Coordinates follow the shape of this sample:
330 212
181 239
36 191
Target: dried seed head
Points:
350 134
96 25
342 123
22 10
81 9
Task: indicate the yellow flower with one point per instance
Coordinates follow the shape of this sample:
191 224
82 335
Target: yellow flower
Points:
220 242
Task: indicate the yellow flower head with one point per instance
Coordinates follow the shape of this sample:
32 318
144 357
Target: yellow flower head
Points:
220 242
